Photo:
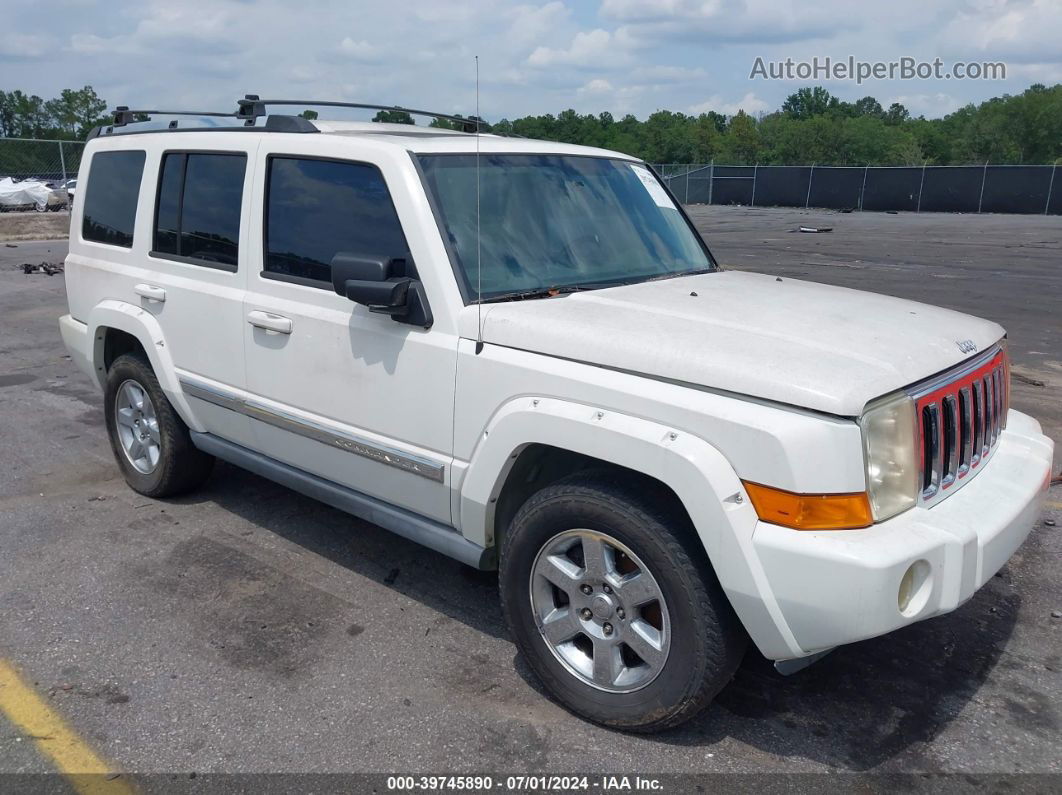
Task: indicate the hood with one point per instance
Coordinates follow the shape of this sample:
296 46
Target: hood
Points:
824 348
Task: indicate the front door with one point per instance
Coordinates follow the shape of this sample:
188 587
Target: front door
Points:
334 390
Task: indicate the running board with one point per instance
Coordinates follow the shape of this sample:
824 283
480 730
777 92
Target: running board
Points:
420 529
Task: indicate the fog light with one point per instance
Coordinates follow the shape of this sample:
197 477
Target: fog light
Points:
914 588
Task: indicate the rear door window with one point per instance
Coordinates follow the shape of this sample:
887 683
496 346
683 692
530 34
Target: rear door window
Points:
318 208
197 216
111 196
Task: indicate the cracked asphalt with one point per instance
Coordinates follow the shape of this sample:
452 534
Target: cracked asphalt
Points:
249 629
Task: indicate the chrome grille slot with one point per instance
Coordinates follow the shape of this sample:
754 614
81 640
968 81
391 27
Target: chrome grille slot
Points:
989 413
961 416
997 387
979 423
931 452
950 448
966 431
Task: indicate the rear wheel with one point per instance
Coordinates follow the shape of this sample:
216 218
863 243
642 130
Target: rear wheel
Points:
150 441
612 604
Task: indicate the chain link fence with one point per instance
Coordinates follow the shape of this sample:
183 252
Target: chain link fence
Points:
43 160
966 189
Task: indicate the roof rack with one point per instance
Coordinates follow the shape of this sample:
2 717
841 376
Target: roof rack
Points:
251 108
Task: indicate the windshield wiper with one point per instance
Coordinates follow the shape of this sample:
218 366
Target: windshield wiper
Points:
672 275
549 292
544 292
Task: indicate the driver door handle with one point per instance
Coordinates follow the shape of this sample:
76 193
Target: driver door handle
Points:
269 322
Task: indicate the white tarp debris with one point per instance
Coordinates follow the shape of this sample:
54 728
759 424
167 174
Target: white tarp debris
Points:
24 194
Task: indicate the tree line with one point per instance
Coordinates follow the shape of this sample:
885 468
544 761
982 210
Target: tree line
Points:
812 126
71 115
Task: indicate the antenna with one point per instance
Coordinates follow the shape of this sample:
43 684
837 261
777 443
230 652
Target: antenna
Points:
479 252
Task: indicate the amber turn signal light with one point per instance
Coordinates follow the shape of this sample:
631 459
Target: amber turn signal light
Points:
810 511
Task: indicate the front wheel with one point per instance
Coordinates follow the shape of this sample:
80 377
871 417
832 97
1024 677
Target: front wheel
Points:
614 606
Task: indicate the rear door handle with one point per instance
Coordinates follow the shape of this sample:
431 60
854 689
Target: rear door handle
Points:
150 292
269 321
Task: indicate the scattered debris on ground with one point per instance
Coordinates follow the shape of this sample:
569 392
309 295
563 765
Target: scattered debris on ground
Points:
51 268
815 229
1026 380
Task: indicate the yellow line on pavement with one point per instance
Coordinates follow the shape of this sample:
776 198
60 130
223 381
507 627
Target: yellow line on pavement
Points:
86 772
1052 504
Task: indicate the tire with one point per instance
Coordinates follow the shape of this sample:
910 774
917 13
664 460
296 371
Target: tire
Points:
700 639
176 466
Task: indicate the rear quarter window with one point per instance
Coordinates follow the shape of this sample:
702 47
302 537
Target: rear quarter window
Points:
111 197
198 210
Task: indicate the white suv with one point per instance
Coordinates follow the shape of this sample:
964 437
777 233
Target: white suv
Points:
521 354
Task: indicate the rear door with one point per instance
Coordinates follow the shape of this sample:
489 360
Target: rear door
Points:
197 264
337 391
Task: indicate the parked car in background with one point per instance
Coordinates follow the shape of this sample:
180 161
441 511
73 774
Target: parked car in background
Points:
71 189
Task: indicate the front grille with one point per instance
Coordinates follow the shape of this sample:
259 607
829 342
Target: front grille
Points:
960 416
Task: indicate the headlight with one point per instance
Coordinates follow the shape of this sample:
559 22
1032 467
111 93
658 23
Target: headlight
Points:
891 454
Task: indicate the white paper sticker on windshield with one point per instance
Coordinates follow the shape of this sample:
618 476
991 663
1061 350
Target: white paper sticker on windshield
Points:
655 189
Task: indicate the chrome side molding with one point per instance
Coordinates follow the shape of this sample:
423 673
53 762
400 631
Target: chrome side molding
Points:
426 468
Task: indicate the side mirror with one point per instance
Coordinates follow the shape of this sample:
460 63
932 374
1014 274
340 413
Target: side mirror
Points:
386 285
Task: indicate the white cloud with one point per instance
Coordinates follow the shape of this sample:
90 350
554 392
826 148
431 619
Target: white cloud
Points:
359 50
531 24
21 45
197 20
596 86
668 74
1026 31
596 47
749 103
728 20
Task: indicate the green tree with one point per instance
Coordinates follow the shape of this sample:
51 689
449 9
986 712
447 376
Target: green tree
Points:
76 111
741 144
808 102
896 114
393 117
868 106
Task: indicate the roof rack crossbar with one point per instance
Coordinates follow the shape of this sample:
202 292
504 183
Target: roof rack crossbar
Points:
123 115
251 107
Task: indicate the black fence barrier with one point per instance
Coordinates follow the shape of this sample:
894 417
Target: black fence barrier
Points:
956 189
892 189
783 186
1020 189
965 189
732 184
836 188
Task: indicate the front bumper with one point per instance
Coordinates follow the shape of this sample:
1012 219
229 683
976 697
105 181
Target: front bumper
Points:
835 587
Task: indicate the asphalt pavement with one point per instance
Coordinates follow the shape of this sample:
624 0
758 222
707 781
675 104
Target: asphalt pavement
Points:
249 629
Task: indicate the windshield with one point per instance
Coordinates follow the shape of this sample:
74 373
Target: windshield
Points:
554 222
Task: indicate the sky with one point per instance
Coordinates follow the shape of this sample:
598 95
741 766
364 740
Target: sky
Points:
623 56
